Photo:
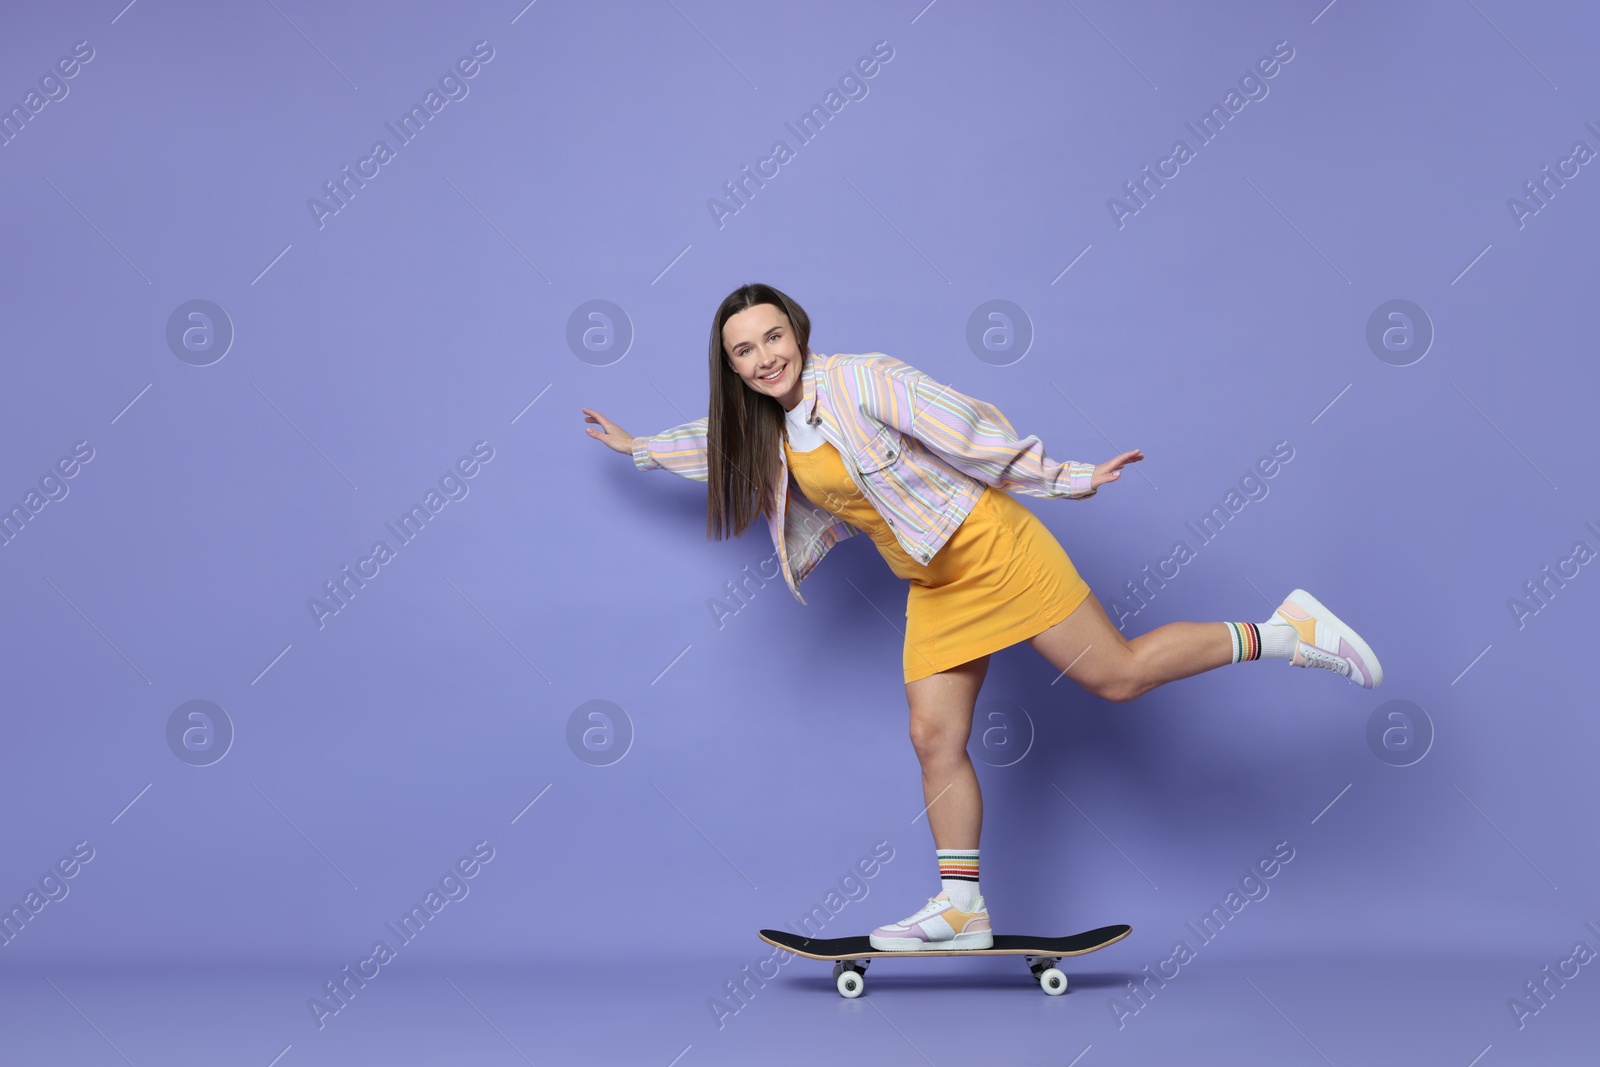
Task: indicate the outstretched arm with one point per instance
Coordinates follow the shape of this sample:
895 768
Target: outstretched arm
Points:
973 436
681 450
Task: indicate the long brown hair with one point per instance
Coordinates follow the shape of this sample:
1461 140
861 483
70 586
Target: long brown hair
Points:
744 428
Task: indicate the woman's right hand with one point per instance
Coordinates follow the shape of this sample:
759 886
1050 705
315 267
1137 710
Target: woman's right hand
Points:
1111 469
611 435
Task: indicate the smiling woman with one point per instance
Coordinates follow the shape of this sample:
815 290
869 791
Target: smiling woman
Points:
927 473
766 368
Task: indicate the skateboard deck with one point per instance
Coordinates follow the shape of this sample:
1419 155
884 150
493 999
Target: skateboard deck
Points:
852 954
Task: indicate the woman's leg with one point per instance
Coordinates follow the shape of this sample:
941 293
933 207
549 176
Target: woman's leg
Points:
941 723
1092 652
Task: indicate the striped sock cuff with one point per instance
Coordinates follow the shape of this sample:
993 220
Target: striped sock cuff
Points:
958 864
1246 640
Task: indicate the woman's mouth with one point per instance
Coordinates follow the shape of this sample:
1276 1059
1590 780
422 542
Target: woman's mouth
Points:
774 376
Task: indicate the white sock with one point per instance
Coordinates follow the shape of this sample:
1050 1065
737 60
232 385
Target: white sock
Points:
958 872
1273 639
1278 639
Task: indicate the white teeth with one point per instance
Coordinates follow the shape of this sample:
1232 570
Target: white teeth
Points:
774 376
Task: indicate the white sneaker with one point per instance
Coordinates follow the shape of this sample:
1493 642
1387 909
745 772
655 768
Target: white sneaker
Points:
939 925
1325 641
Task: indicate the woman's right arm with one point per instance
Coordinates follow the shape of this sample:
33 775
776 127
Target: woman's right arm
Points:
681 450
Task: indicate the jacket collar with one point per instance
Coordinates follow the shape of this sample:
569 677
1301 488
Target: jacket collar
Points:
808 388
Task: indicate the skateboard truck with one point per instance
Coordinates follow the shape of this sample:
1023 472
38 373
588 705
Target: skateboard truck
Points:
1051 978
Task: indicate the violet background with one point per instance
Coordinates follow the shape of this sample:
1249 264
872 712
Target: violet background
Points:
769 753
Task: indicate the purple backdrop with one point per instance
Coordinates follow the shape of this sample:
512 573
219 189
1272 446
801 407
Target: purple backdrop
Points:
242 344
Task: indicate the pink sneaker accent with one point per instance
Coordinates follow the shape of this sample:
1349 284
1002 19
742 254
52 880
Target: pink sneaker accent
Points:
1326 641
937 925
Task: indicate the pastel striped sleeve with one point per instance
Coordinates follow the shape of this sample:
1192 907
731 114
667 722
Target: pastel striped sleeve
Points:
973 436
681 450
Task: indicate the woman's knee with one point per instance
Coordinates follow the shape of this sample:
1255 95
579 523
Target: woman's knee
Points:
1092 652
1119 680
1121 691
937 739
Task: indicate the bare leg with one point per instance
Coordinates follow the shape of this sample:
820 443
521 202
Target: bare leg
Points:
1091 651
941 723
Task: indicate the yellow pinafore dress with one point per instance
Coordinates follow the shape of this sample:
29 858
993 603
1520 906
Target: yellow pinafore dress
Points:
1000 579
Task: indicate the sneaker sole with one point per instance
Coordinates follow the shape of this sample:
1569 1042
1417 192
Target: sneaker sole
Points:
915 944
1317 608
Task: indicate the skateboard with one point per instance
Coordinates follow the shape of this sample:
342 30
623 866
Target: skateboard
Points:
1041 953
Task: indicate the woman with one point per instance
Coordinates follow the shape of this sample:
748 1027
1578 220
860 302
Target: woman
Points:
925 472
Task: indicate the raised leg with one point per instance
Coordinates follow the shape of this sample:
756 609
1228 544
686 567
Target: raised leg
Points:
1093 653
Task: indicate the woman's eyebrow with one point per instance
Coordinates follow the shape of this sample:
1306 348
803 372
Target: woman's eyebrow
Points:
746 344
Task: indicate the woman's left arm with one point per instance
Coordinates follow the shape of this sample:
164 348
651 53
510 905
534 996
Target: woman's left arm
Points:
975 437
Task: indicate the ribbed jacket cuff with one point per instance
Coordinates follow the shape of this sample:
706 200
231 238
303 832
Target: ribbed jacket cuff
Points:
1079 478
641 454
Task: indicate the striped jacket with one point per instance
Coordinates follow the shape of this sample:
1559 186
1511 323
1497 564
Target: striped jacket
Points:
919 451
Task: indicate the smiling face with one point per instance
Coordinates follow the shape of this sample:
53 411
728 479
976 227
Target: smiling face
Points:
760 347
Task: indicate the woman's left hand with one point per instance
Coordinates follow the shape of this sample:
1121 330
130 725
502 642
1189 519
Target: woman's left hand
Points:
1109 471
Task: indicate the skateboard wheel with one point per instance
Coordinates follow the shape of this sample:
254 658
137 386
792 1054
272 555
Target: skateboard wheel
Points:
849 981
1053 981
